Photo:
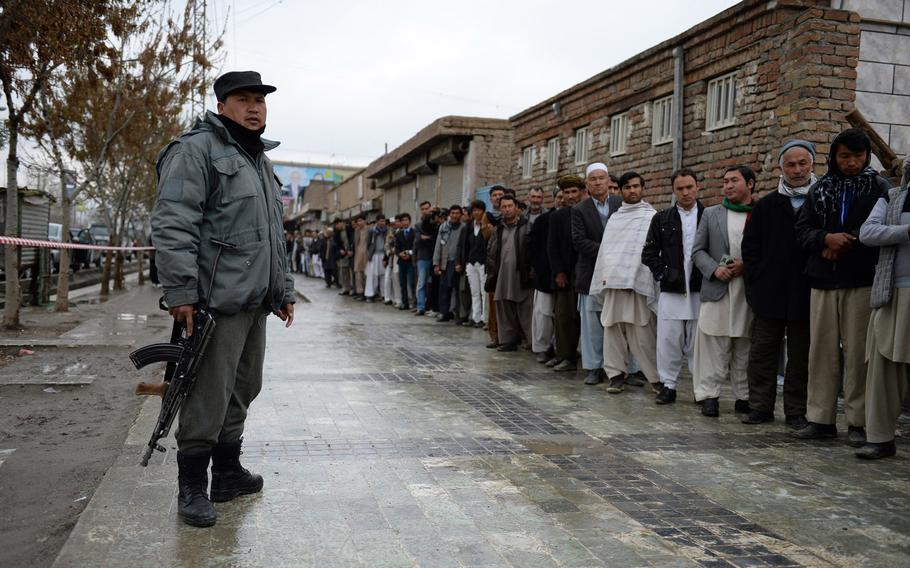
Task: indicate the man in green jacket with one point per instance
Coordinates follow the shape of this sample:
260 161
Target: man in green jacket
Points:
215 185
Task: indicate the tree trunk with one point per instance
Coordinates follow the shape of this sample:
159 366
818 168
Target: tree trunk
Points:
63 277
11 261
106 274
118 267
139 259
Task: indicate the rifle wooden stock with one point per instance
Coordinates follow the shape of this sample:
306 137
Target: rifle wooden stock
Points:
152 389
182 356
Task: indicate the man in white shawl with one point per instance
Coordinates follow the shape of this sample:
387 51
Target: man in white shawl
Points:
626 288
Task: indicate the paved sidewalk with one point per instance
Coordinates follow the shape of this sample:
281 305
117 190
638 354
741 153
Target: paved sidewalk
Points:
391 440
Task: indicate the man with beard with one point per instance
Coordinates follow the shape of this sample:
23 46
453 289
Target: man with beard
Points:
535 204
509 275
668 253
562 258
588 221
777 290
626 287
841 270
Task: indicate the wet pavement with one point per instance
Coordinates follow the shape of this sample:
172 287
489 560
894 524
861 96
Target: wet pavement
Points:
391 440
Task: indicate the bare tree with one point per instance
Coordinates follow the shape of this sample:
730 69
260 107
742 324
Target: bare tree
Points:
108 119
40 37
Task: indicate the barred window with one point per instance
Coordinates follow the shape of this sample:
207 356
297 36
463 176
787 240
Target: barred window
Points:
527 158
552 155
662 121
581 146
721 111
619 133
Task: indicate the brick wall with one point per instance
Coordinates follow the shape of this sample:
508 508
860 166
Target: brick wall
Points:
795 73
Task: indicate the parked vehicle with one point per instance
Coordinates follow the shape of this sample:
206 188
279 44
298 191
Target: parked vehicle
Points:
86 236
79 258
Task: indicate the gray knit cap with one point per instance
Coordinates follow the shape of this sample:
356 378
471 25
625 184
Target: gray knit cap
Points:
809 146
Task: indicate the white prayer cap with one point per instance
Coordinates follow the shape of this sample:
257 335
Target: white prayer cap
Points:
596 166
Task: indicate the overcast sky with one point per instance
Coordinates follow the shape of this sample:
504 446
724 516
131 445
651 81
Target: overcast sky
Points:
354 75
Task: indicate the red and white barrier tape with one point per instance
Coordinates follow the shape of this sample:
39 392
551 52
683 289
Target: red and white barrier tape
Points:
5 240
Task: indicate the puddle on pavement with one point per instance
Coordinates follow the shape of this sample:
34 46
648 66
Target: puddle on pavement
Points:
140 318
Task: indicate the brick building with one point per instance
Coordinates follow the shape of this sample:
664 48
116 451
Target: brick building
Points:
725 92
445 163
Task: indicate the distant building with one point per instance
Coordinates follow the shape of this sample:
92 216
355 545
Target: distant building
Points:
296 179
445 163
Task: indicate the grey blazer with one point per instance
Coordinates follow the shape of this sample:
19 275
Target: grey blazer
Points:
711 244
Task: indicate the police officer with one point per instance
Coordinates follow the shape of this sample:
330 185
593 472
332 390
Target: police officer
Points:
216 184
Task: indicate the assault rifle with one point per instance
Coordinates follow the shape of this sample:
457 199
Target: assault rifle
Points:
182 356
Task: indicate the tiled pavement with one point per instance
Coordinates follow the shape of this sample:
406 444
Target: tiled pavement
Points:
390 440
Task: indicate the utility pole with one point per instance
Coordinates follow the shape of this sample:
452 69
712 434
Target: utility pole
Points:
197 103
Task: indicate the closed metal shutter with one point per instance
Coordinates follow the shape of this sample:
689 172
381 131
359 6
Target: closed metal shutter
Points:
426 189
390 202
452 185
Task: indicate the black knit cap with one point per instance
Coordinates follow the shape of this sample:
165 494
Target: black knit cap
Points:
237 80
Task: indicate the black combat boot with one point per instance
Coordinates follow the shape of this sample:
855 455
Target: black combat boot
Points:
193 504
229 478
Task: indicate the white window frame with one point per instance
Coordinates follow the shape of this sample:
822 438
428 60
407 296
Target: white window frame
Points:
527 160
662 121
581 146
553 155
359 187
720 110
619 133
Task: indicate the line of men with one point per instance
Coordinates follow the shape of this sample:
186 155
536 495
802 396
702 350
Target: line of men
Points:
814 274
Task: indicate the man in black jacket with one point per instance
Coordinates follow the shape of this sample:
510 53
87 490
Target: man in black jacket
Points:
588 221
668 253
777 290
542 333
840 270
473 257
404 246
562 258
424 245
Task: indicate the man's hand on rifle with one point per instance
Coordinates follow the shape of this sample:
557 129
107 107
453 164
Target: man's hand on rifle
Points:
184 314
286 314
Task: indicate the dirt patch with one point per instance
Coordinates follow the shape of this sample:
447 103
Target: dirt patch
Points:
43 322
65 439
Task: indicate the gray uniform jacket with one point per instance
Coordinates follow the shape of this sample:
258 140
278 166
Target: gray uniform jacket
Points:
711 244
208 187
